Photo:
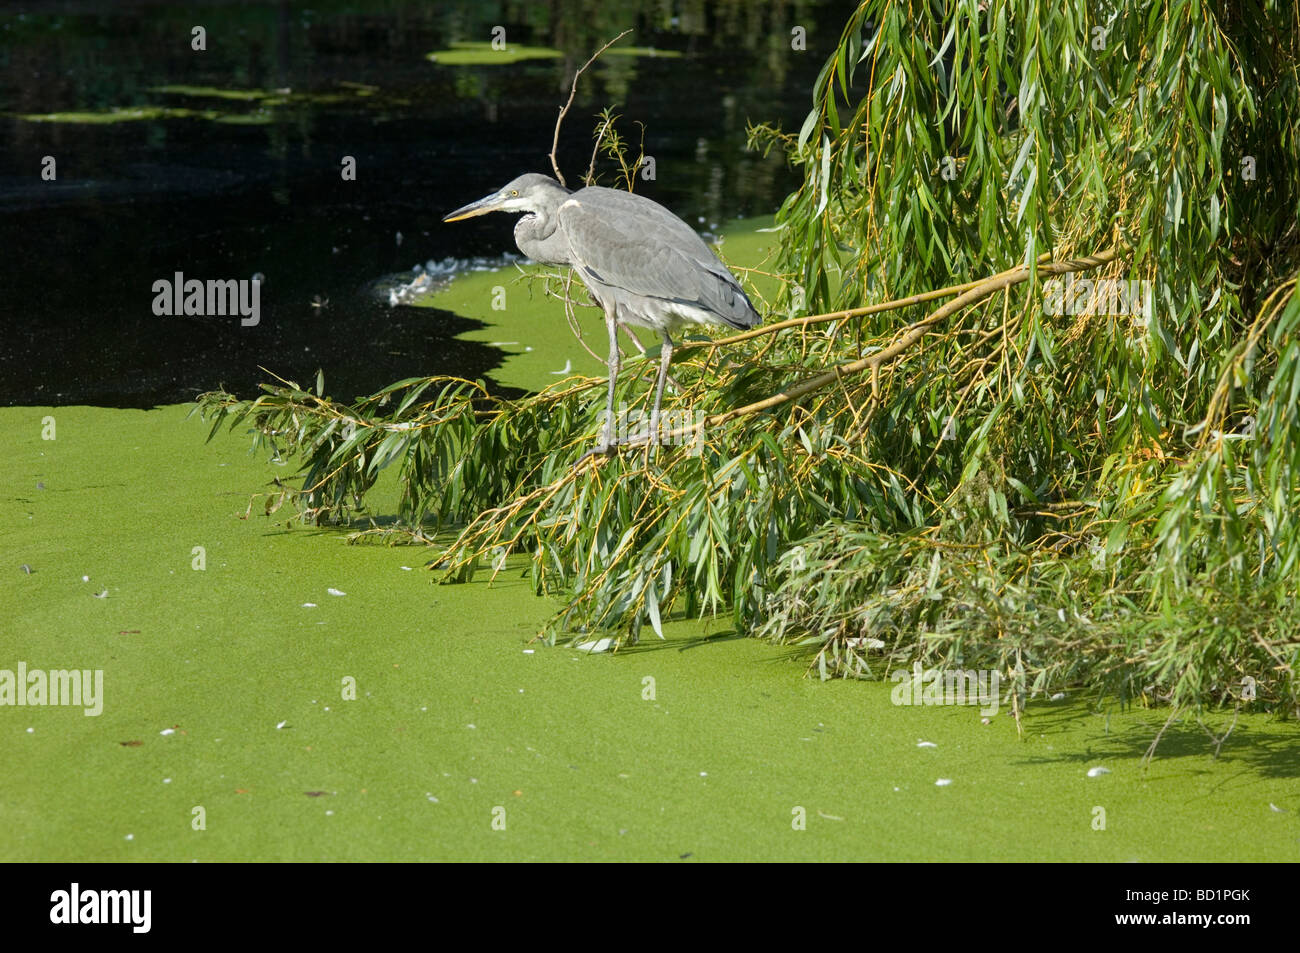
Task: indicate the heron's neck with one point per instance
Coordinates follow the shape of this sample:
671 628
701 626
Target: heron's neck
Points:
533 234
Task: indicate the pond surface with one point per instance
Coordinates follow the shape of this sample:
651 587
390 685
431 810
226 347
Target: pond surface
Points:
226 163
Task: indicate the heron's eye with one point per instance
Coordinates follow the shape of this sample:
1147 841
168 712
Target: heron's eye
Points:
514 191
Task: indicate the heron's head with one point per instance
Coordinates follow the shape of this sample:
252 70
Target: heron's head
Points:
528 193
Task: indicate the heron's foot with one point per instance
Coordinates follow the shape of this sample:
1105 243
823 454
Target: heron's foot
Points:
602 449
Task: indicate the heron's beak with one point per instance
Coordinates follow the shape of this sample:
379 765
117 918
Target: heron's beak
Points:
484 205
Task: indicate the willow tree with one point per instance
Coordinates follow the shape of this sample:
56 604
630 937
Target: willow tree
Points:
1032 406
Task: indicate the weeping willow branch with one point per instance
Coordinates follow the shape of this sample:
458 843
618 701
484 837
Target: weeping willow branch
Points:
864 311
976 291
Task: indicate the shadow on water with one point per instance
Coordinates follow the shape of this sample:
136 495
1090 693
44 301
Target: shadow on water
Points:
649 642
227 163
1266 754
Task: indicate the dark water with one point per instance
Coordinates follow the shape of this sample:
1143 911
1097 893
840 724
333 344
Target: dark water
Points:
260 191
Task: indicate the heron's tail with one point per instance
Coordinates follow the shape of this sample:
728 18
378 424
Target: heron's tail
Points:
739 312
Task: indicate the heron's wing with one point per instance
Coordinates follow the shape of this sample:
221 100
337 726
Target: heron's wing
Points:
629 242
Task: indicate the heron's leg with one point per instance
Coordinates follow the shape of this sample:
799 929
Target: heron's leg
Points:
636 342
607 442
665 359
607 438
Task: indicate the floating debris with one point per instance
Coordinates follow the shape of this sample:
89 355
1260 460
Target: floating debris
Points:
1098 771
336 592
407 287
864 642
926 744
943 782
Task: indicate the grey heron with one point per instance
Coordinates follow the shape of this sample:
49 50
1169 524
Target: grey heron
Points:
642 264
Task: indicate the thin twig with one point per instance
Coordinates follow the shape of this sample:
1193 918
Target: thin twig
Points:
555 140
590 177
1151 751
1218 741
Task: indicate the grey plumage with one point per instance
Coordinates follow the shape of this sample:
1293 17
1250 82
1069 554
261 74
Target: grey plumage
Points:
642 264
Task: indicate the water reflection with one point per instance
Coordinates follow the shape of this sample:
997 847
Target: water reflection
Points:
226 162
